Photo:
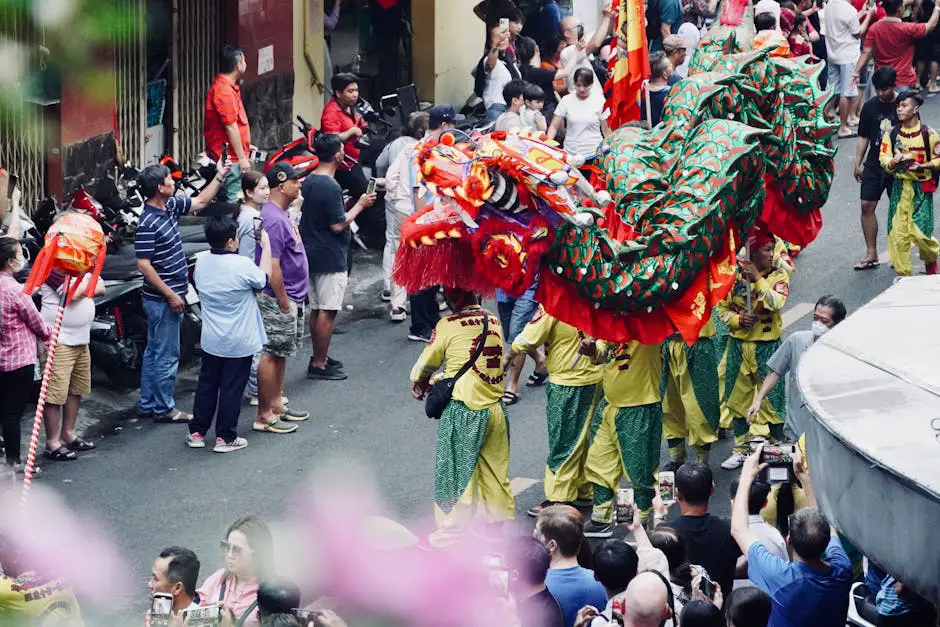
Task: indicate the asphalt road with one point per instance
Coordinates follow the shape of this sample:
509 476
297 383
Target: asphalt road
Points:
149 490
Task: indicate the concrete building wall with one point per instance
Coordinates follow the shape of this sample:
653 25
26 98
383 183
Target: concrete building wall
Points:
308 60
448 42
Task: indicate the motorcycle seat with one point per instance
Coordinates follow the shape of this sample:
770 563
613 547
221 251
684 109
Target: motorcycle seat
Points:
120 265
865 605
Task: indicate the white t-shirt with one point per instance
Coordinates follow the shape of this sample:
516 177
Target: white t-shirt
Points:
583 122
76 323
842 45
496 79
768 6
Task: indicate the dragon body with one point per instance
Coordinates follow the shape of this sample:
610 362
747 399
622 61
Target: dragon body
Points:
743 138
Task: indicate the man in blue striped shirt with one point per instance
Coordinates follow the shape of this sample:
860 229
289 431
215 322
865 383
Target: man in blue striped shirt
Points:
161 261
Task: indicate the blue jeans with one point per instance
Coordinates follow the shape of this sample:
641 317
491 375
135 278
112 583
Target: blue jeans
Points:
494 111
161 358
514 315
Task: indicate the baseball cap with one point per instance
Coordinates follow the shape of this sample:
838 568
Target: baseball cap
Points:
443 113
674 42
281 172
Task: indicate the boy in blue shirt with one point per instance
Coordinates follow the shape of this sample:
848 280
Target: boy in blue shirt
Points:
813 589
560 528
232 332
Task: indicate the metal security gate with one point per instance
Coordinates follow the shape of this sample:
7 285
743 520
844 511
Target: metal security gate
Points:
130 61
198 35
22 130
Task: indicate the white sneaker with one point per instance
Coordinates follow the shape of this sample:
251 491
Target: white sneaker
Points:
194 440
398 315
221 446
735 461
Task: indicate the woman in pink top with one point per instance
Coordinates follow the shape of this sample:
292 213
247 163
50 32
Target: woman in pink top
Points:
21 327
247 550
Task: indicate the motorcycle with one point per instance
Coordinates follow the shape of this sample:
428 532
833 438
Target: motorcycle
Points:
119 329
299 153
862 612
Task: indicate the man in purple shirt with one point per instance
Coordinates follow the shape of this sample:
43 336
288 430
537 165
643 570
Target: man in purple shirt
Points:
281 302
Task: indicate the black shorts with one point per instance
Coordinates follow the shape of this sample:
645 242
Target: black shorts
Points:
874 183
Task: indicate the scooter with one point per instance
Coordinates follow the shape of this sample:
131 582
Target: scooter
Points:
299 153
862 612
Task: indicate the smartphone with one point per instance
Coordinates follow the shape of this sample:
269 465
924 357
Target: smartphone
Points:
623 506
707 586
667 486
580 32
499 582
257 228
370 187
223 156
777 454
504 25
161 606
205 616
307 616
14 180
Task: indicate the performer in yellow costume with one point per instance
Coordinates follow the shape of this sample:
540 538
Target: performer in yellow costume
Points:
572 393
472 470
690 396
910 153
627 429
752 314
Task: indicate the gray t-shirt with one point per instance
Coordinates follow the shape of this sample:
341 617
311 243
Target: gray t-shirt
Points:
246 231
508 121
784 362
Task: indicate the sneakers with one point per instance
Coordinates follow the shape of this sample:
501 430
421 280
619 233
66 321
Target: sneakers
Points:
735 461
330 373
294 415
414 337
334 363
398 315
278 426
386 296
221 446
594 529
195 440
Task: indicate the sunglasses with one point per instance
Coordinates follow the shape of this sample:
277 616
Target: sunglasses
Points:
235 550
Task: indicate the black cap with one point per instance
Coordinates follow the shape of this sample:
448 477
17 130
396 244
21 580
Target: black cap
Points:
281 172
443 113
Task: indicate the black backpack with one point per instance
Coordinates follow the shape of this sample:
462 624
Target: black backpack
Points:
654 21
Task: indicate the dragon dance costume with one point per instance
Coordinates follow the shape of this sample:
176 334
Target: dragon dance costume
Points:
572 394
472 469
690 395
910 212
744 137
743 364
627 427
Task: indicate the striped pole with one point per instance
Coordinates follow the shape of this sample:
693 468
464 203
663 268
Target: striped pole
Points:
41 403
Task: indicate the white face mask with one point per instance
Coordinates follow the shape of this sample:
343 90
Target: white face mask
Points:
819 329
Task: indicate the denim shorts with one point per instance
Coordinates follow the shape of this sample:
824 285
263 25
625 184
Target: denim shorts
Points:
514 315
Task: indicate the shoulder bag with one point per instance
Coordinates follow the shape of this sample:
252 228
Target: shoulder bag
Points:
441 392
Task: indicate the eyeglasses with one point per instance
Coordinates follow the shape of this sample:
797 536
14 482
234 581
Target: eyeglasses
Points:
233 549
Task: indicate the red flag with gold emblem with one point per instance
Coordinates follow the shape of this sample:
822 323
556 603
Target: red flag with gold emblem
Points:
630 65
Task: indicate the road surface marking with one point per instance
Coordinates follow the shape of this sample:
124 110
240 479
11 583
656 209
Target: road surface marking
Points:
796 312
518 485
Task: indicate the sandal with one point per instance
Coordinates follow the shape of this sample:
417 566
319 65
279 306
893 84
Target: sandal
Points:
867 264
61 454
80 444
536 379
510 398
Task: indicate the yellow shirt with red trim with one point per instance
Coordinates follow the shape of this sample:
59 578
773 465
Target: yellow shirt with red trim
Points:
768 296
911 144
632 373
29 599
561 340
452 344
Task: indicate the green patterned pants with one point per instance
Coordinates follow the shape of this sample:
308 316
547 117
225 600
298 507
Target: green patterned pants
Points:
569 419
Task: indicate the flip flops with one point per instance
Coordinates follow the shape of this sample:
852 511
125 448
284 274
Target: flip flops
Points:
510 398
867 264
61 454
536 379
80 444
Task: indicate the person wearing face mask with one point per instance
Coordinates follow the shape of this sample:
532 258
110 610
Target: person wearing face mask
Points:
751 311
247 550
829 312
21 326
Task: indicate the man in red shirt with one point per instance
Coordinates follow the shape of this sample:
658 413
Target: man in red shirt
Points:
225 119
892 42
340 117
